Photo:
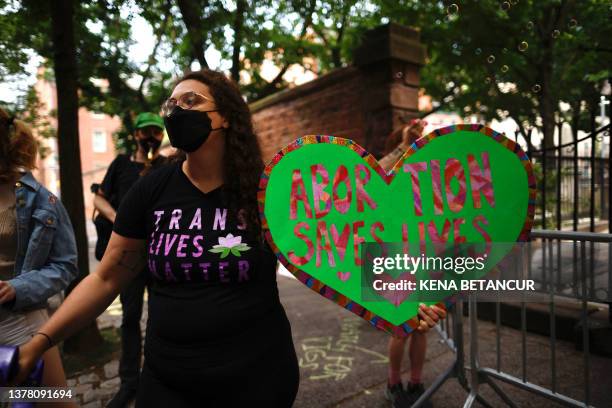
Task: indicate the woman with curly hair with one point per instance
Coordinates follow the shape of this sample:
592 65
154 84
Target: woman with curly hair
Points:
37 247
217 333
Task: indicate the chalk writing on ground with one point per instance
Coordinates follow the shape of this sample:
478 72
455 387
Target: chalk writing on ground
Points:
331 357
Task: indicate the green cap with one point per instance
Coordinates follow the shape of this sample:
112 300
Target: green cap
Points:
148 119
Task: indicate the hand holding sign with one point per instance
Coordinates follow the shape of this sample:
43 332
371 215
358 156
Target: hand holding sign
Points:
322 197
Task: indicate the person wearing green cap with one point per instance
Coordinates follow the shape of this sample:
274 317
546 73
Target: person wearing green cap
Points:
122 173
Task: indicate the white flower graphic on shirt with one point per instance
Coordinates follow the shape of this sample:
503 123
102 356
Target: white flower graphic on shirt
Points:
230 244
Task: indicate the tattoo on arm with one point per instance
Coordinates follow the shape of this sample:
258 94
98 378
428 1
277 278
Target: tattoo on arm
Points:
132 260
389 160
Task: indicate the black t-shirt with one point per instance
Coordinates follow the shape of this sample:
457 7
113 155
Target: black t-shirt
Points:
121 176
213 302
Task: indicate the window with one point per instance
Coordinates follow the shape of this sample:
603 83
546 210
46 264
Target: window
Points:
99 141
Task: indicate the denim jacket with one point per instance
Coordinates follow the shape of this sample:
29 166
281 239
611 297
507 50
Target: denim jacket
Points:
46 260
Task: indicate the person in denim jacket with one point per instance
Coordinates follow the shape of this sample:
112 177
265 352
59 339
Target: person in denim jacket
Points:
46 259
38 256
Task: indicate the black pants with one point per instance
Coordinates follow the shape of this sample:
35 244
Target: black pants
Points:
270 381
267 385
131 337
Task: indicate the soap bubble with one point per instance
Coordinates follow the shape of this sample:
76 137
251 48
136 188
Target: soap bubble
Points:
478 51
491 59
504 50
399 74
505 5
556 33
572 23
488 80
453 9
536 88
530 25
456 48
504 68
523 46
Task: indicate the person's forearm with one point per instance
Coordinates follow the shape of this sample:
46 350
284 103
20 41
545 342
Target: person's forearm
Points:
389 160
86 301
95 293
104 207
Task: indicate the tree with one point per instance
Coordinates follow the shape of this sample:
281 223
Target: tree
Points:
191 12
287 33
104 56
65 69
512 59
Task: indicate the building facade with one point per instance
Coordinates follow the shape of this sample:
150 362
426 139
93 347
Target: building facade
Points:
96 145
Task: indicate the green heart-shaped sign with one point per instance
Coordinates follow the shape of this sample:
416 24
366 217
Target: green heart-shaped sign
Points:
322 197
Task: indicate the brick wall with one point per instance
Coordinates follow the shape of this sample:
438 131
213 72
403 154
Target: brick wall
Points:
364 101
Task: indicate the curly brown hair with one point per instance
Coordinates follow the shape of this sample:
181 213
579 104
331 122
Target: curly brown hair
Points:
243 163
18 147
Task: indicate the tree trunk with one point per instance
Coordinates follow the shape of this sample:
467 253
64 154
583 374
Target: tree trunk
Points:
65 67
191 12
547 100
238 23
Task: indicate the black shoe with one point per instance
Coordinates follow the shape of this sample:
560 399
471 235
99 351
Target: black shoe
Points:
396 394
414 392
122 398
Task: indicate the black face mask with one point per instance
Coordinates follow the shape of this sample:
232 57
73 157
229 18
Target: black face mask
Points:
150 144
188 129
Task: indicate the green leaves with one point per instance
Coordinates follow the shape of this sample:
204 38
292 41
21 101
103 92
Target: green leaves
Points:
567 66
225 251
320 35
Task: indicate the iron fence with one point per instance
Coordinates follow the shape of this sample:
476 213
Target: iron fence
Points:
574 187
590 280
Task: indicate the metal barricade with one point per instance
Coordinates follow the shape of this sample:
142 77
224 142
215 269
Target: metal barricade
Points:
585 286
